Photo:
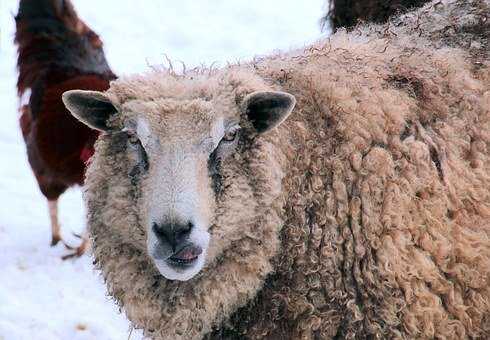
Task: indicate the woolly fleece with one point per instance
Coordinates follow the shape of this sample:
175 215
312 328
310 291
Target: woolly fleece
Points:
365 214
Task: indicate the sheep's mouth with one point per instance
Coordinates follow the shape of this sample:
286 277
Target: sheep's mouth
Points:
185 257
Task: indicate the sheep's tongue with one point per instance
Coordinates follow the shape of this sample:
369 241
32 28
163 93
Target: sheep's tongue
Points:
188 253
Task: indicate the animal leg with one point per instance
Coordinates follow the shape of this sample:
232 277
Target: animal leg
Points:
81 249
55 226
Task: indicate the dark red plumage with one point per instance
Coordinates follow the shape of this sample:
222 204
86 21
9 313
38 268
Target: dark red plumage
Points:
56 52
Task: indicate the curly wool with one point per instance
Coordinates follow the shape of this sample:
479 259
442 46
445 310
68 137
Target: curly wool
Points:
381 224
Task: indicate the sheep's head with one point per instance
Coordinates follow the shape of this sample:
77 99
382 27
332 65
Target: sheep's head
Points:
182 155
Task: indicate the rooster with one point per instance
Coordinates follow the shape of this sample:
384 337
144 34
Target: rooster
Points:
56 52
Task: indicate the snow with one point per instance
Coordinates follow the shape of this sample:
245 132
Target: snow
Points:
41 296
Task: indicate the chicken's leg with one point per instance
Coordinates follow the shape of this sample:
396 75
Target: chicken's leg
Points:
55 226
56 233
81 249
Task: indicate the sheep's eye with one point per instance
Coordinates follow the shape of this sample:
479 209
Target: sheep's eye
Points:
133 139
230 135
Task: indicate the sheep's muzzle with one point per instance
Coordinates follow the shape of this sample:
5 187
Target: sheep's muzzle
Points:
185 256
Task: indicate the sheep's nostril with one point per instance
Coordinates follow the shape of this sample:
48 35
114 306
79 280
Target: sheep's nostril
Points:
173 234
185 231
158 230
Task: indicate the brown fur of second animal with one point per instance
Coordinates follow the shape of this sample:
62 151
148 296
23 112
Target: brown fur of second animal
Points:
349 13
366 213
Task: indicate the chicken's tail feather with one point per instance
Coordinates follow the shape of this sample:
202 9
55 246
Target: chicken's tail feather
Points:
53 42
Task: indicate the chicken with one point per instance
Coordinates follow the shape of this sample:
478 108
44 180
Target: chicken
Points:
56 52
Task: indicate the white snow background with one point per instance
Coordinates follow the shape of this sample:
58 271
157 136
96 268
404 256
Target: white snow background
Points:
41 296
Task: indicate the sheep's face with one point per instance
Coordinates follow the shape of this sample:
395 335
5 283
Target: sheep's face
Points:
182 156
176 145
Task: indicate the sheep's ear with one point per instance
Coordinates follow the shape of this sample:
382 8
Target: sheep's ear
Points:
268 109
90 107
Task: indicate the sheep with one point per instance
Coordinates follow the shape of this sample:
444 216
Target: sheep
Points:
337 191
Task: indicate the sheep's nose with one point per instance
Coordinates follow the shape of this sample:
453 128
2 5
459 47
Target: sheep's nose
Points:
173 234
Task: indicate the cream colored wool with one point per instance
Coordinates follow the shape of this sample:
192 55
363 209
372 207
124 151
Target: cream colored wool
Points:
365 214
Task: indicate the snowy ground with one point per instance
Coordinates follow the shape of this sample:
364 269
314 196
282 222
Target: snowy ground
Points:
42 297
